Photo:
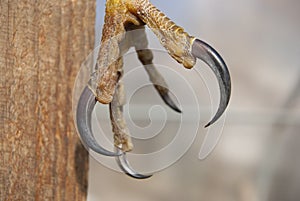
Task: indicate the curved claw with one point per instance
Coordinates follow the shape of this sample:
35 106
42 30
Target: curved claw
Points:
124 165
166 98
211 57
85 108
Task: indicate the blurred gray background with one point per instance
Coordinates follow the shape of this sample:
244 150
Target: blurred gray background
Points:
256 158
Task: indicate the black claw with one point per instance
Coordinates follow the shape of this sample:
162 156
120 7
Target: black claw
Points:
85 108
166 98
211 57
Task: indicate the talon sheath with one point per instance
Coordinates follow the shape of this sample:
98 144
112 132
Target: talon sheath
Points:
211 57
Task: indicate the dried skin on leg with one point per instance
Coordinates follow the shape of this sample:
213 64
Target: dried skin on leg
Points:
112 34
109 62
112 47
122 139
172 37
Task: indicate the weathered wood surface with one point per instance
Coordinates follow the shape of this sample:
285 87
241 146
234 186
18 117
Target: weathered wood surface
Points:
42 44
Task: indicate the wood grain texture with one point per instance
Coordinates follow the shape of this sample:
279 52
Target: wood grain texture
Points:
42 44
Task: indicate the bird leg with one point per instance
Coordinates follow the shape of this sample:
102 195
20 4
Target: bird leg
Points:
185 49
181 46
122 138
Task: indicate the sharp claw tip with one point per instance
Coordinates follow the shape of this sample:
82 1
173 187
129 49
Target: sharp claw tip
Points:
207 125
212 121
170 103
177 110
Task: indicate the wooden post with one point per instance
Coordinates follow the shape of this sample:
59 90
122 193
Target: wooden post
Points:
42 44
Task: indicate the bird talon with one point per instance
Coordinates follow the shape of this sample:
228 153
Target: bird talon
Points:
182 47
85 108
211 57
